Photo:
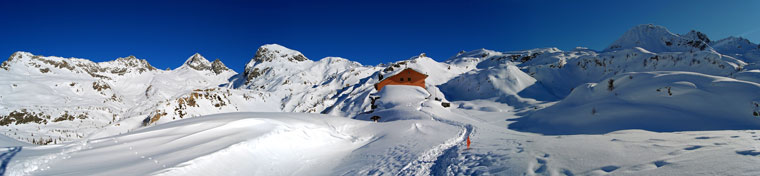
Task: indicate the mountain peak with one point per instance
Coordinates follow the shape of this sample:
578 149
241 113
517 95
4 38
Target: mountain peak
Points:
647 36
197 62
126 60
657 38
131 62
218 67
696 35
15 56
732 39
273 52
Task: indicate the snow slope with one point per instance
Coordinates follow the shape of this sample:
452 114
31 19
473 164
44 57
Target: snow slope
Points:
740 48
398 102
654 101
235 144
503 83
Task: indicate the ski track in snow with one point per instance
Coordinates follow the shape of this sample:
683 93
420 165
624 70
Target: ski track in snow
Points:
436 160
431 161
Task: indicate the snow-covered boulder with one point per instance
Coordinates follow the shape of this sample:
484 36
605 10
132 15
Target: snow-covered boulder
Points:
655 101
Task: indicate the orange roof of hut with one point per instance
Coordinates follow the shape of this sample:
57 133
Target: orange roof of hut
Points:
407 76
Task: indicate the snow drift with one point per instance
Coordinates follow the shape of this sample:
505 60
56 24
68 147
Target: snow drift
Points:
246 143
398 102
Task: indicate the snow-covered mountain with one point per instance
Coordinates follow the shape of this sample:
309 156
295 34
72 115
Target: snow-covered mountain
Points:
658 39
302 85
68 98
282 79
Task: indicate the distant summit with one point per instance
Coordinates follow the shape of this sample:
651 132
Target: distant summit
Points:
656 38
218 67
275 52
271 53
200 63
197 62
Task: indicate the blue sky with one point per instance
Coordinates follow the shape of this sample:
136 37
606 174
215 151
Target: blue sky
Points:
371 32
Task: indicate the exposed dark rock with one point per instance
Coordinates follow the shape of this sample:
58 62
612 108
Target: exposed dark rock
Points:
218 67
100 85
255 73
67 116
264 54
22 117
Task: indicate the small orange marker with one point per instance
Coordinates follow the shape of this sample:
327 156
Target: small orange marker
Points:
468 142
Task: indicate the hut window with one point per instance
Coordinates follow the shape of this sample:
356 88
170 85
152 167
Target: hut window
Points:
409 79
402 79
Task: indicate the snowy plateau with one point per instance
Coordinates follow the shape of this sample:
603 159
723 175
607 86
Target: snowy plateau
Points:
652 103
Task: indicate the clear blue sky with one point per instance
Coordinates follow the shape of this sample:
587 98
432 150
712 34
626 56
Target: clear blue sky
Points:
371 32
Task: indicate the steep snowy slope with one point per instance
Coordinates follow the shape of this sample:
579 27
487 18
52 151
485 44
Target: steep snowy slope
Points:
496 76
63 93
502 83
654 101
301 84
739 48
196 76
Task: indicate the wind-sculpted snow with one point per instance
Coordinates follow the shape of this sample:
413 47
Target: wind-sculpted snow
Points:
654 101
242 144
216 144
749 75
